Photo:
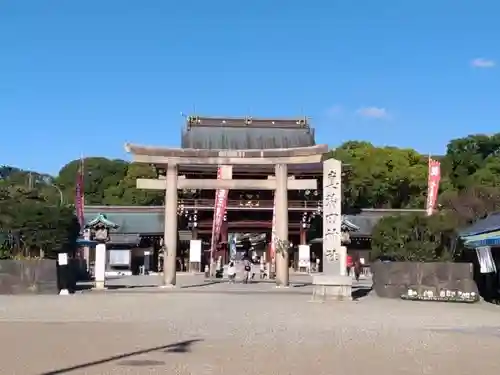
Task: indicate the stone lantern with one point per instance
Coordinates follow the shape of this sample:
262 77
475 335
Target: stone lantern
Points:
346 228
99 228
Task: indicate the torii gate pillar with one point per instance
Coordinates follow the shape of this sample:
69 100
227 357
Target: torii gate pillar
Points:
170 229
281 194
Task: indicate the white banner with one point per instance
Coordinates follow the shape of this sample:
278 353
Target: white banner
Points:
304 256
195 251
485 259
62 259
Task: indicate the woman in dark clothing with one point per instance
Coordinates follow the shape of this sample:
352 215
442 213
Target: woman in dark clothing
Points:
357 266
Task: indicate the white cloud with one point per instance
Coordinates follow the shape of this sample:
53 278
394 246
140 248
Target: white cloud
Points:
483 63
373 112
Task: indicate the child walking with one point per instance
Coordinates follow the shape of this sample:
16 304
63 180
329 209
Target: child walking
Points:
231 272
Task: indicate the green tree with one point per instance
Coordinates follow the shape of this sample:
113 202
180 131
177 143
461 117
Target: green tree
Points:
18 176
32 224
488 174
99 174
467 156
125 192
378 177
470 204
415 238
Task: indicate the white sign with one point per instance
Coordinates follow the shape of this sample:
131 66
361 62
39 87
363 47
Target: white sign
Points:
195 251
485 259
119 257
62 259
304 256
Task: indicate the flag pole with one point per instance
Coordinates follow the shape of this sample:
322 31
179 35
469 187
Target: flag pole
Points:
80 194
82 171
428 183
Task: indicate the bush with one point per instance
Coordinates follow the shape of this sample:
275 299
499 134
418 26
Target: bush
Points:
415 238
29 224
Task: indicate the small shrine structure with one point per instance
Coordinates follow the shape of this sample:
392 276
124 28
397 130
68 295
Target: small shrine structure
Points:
98 231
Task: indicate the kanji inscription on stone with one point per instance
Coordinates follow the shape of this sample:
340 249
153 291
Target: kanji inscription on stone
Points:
332 219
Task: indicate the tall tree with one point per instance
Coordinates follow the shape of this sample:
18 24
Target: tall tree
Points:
382 177
466 156
99 174
125 192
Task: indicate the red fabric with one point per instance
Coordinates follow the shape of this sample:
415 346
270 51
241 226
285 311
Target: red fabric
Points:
349 261
220 208
433 185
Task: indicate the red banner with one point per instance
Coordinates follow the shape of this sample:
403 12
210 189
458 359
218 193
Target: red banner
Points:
433 185
219 211
80 196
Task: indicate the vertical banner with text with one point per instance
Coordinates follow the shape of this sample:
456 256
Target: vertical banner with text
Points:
272 247
219 211
434 177
80 195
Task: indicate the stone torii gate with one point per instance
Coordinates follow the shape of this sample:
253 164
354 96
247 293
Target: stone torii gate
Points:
171 158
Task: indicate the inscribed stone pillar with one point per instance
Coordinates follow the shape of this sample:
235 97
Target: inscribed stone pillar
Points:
332 217
332 284
100 266
170 235
282 276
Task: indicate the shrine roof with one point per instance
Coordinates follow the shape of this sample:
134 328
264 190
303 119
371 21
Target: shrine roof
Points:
101 219
128 221
149 220
364 223
369 217
246 133
488 224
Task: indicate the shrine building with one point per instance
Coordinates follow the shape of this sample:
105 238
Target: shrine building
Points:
249 213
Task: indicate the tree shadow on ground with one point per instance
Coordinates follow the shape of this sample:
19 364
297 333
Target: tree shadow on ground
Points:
360 293
178 347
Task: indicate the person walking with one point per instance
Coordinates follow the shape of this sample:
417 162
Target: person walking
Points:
262 268
247 267
231 272
357 267
349 264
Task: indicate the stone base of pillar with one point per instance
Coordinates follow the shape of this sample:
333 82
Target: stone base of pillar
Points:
168 286
99 285
195 267
332 288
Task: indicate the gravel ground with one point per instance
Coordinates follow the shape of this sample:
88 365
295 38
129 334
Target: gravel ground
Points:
228 331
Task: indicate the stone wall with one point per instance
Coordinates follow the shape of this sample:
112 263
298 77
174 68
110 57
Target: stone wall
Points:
394 279
34 276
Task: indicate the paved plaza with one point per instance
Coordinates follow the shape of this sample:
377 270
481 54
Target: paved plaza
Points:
242 329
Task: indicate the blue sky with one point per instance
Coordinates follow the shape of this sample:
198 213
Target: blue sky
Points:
87 76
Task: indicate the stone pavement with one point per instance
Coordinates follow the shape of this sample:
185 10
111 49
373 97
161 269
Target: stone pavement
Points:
243 333
189 280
